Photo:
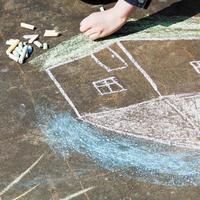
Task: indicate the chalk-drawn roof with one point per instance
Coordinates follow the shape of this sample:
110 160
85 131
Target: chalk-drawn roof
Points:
157 28
158 120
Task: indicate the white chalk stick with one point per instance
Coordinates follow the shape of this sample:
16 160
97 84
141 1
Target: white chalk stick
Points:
12 47
23 54
38 44
20 45
33 38
45 46
18 50
16 54
102 9
28 26
13 57
11 41
27 37
51 33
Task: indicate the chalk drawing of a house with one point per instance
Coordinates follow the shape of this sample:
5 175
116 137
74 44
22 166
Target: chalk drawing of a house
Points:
114 86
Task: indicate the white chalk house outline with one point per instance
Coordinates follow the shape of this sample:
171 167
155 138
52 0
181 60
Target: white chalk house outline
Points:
64 94
87 117
196 66
130 57
106 86
114 54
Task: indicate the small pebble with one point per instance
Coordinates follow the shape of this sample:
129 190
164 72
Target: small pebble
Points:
4 70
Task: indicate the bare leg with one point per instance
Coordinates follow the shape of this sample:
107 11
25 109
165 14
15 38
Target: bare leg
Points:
102 24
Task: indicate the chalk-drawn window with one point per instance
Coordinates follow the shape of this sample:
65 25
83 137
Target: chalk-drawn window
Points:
196 66
114 55
108 86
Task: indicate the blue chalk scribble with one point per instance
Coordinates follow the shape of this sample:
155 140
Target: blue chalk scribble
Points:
147 161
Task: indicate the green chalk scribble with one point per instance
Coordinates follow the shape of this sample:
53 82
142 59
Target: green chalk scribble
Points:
149 28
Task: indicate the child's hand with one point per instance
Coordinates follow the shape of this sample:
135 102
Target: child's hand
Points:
101 24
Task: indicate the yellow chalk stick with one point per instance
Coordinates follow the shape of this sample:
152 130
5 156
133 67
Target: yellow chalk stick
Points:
12 47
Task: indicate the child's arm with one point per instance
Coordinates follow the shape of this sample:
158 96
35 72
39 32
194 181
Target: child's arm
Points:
101 24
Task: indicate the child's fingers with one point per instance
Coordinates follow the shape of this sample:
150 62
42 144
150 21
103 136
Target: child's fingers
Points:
83 21
90 32
84 28
85 24
88 22
95 36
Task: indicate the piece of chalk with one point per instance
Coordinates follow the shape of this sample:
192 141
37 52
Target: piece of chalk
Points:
27 37
23 54
51 33
15 53
38 44
45 46
20 45
33 38
30 49
13 57
102 9
12 47
18 50
10 42
28 26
